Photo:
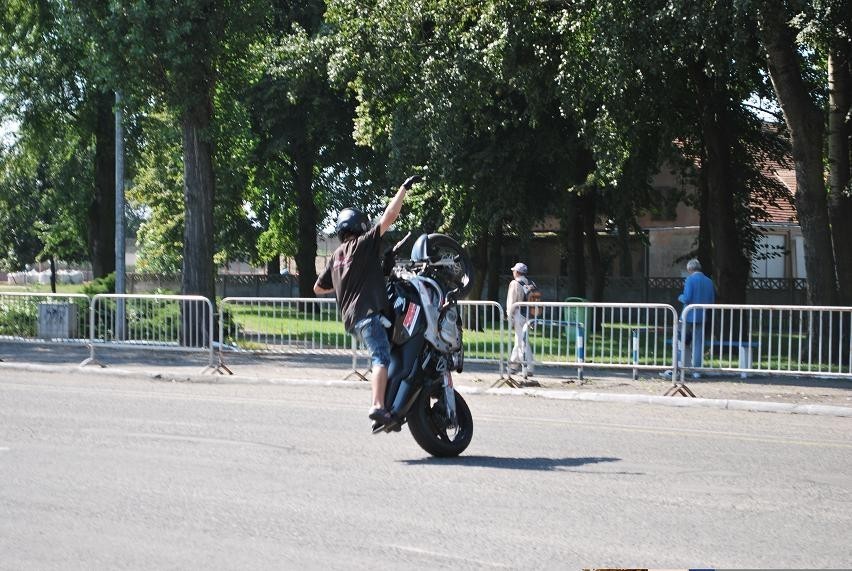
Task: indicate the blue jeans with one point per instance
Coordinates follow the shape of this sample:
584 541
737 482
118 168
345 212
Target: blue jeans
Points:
372 333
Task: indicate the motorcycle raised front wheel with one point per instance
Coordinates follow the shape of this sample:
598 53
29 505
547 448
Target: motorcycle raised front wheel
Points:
431 428
460 273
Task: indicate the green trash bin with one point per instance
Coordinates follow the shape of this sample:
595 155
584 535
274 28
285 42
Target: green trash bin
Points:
577 321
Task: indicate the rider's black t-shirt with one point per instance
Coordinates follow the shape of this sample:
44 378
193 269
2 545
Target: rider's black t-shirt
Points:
355 273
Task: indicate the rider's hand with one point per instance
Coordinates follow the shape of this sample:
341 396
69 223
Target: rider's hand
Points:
410 181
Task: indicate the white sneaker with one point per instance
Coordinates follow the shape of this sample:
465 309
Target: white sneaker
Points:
666 374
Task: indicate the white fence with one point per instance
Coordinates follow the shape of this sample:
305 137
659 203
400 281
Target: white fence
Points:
632 336
485 333
313 325
735 339
776 339
44 317
282 325
164 322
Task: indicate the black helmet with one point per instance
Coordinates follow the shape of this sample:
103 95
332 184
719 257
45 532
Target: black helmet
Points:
351 221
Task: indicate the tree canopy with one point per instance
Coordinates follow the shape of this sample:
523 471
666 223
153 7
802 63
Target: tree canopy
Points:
251 123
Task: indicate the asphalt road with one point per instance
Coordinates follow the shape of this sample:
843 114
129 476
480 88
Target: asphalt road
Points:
142 474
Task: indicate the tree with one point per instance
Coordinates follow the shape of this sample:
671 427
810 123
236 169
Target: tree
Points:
174 51
39 193
305 147
801 97
687 83
48 84
157 189
467 91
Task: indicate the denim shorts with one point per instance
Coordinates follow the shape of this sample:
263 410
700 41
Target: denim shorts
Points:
374 336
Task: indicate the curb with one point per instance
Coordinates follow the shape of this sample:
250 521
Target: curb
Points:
555 394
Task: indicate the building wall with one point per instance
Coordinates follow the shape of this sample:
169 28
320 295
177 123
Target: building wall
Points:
667 249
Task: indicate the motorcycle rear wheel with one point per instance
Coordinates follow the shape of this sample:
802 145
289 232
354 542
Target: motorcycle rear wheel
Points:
430 428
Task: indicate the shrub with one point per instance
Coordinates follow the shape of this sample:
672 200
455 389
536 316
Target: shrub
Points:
105 284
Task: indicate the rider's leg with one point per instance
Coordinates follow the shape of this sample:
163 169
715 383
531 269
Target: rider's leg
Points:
375 337
379 384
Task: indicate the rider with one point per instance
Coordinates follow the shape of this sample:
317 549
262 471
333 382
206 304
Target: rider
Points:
354 274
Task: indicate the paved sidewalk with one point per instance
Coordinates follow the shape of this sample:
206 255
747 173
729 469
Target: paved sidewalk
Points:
778 393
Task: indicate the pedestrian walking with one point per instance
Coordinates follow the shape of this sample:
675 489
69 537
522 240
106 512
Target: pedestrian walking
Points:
521 288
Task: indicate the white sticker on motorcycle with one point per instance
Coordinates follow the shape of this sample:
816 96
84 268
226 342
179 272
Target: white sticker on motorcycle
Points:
410 318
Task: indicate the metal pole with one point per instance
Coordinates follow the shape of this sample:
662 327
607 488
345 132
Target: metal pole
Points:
120 270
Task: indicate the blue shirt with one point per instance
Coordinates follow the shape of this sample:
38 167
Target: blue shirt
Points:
698 288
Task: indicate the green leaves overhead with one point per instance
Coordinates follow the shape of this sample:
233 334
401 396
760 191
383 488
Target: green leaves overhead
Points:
468 90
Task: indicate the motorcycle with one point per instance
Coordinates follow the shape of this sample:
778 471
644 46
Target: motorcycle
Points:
426 344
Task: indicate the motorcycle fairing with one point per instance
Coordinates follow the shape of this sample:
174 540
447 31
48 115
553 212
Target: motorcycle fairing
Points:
408 317
402 372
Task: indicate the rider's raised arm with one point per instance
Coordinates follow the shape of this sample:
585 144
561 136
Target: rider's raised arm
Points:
392 211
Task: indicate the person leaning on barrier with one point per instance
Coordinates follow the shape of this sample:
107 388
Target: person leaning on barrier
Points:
354 274
521 357
697 289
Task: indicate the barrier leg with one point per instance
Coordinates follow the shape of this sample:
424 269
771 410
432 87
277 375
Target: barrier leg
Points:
635 354
581 350
678 388
220 368
745 360
355 372
509 380
91 360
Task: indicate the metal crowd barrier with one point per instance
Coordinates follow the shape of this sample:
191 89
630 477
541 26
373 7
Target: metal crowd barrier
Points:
44 317
167 322
484 325
632 336
282 325
744 339
313 325
286 325
776 339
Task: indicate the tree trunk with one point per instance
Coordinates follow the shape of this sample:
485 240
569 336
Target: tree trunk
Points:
625 258
589 206
724 188
805 123
198 277
705 242
101 212
273 266
306 253
573 259
52 274
479 258
495 250
840 202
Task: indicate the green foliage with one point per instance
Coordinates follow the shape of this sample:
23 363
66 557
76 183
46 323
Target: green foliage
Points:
469 91
45 180
157 190
18 318
105 284
306 163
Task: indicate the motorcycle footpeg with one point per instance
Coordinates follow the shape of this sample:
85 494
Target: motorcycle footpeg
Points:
393 426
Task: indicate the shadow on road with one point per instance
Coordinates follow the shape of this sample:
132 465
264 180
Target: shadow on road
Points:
538 463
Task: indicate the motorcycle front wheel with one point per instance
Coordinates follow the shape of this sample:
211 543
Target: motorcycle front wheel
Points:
431 428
